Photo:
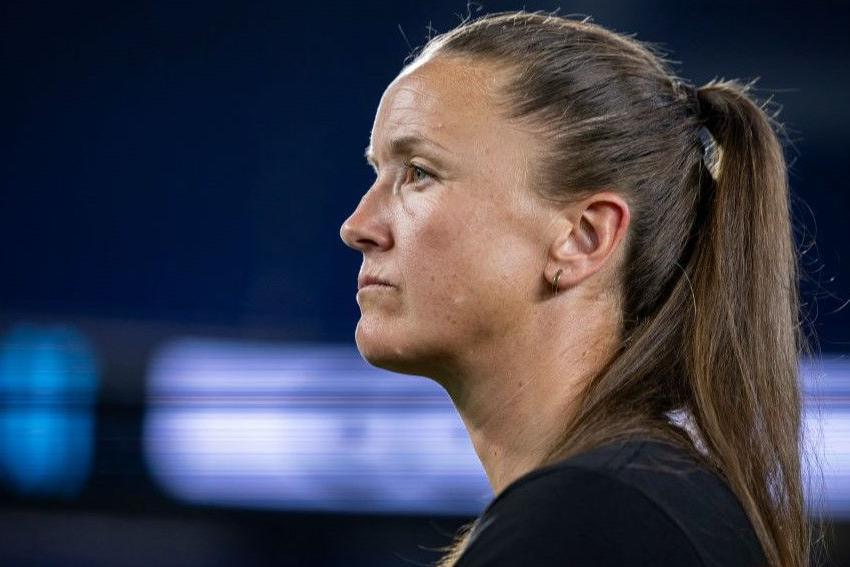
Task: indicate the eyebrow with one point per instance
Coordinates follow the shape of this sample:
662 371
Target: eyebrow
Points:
402 144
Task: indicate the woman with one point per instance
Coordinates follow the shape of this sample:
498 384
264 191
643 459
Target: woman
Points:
612 309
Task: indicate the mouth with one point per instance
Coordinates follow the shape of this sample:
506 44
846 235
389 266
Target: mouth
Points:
364 282
374 286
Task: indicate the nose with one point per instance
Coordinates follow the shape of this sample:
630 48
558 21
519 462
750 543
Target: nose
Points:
366 228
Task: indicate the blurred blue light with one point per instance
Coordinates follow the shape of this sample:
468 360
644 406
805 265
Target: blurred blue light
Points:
47 388
314 427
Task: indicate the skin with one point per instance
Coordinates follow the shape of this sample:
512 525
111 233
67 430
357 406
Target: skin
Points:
471 252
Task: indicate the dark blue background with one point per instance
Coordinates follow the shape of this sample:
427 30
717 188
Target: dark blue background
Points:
192 162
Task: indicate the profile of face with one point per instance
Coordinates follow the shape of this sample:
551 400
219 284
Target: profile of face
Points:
450 222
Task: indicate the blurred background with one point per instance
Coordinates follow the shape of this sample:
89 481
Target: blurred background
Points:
179 383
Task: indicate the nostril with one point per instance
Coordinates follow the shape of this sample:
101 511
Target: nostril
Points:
354 238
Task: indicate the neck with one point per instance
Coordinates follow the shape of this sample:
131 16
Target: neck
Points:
515 397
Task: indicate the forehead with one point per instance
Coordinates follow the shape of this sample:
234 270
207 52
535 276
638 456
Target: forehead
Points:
446 99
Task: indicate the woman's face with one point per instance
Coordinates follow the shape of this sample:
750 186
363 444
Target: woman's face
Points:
450 222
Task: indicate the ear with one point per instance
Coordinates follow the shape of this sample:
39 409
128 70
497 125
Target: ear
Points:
592 230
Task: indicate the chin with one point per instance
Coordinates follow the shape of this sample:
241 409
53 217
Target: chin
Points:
376 347
379 346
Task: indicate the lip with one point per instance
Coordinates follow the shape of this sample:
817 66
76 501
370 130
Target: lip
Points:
374 287
372 281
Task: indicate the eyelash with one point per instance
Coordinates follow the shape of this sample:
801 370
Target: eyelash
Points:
411 167
408 166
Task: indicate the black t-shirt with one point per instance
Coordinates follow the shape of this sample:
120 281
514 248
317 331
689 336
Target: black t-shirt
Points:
633 503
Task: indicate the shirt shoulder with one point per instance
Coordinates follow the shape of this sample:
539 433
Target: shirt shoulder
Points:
636 503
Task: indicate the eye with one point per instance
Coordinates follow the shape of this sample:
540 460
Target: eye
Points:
415 174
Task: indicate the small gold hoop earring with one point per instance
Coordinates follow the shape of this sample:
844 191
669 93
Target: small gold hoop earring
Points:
555 281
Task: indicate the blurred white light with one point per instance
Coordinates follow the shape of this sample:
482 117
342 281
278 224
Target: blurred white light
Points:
314 427
826 464
305 427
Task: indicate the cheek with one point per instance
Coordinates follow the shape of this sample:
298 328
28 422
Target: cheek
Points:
466 270
449 246
439 265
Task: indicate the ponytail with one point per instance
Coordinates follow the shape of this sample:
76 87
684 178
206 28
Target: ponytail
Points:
743 339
